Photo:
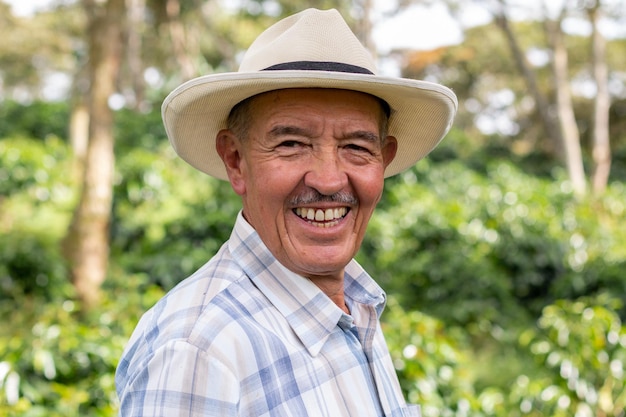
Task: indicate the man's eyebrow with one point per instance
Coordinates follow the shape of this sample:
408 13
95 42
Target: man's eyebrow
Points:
363 134
289 130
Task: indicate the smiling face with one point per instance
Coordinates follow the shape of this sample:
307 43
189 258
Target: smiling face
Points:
310 171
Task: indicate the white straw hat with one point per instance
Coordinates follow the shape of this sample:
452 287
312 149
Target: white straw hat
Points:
311 49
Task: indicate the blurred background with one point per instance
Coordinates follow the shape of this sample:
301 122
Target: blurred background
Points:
503 253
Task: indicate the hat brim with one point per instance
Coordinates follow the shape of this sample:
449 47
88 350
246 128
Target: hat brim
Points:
422 112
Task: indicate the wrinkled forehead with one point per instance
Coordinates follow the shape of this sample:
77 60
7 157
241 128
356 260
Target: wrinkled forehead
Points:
267 98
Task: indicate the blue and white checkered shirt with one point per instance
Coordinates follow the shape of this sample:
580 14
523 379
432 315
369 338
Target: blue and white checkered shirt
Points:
244 336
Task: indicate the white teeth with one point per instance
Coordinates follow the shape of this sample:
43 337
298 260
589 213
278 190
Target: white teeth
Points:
327 218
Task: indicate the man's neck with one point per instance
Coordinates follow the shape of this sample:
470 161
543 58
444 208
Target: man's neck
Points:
333 288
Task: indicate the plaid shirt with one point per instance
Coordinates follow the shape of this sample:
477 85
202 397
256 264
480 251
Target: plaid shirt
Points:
244 336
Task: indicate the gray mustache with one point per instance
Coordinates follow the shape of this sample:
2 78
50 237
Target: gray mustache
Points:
314 196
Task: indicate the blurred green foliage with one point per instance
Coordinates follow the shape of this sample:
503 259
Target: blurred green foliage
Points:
38 120
168 218
35 201
581 346
506 295
56 361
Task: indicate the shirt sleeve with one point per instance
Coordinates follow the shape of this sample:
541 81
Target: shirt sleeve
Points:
179 380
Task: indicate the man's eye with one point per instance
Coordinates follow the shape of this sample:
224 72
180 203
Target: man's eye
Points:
354 147
289 144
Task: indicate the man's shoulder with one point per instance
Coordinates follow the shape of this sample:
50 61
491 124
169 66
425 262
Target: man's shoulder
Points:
193 295
220 272
201 304
175 315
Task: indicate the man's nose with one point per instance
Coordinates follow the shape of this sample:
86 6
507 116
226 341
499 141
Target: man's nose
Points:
326 174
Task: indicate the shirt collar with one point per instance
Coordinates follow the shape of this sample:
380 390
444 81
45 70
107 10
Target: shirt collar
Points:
309 312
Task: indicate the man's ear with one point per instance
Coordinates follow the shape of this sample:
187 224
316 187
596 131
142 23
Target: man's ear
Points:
228 148
390 147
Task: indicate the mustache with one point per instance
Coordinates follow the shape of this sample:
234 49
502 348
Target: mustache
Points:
313 196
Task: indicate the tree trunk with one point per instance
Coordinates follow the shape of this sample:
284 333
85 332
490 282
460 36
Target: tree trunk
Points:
601 140
565 108
136 11
86 246
542 104
79 136
364 26
179 39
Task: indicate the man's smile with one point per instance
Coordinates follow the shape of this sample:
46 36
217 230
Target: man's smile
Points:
322 217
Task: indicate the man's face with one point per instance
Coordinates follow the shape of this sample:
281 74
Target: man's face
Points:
310 174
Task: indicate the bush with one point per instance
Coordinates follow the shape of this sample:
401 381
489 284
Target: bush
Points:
58 362
169 219
431 362
37 169
37 120
498 247
581 345
30 265
35 203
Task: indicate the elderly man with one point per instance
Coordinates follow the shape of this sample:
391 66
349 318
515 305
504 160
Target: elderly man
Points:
282 321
